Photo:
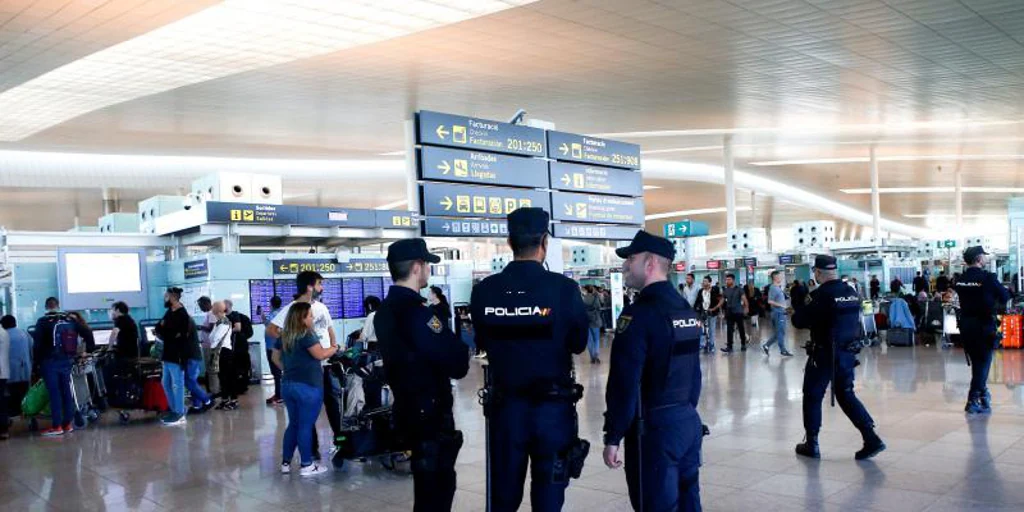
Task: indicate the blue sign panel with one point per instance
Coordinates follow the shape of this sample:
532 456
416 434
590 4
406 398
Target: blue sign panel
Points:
290 266
367 266
592 150
596 208
197 269
591 232
481 168
787 259
337 217
465 228
246 213
599 180
437 129
396 219
439 199
685 228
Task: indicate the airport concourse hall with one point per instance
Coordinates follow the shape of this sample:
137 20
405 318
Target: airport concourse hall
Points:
512 255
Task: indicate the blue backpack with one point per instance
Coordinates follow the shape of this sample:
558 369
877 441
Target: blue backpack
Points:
65 337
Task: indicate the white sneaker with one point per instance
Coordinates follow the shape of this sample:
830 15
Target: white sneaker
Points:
286 467
313 470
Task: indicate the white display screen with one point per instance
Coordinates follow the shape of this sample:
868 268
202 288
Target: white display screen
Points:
103 272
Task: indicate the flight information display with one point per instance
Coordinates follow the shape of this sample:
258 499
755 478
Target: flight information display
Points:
260 293
286 289
373 286
352 299
333 297
388 283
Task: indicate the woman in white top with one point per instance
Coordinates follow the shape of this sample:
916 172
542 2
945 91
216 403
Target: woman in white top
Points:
369 335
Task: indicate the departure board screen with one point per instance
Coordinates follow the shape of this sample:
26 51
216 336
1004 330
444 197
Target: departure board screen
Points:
373 286
285 288
388 283
260 292
332 297
352 301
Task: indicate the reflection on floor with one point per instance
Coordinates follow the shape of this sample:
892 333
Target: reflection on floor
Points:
937 458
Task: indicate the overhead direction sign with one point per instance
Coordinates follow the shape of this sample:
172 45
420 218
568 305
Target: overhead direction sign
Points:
435 226
481 168
597 208
600 180
592 150
592 232
443 200
685 228
438 129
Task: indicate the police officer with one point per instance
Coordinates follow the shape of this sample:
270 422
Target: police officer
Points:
654 385
980 296
421 355
833 316
530 322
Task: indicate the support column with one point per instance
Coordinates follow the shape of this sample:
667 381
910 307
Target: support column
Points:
111 204
876 203
958 191
730 185
412 187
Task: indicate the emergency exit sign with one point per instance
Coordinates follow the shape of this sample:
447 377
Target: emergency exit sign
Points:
949 244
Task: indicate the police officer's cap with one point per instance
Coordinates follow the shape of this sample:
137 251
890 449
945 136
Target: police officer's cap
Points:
972 253
646 242
528 221
824 262
411 249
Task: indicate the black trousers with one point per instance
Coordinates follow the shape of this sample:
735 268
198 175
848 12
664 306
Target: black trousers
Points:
735 321
666 474
434 452
979 345
817 375
276 372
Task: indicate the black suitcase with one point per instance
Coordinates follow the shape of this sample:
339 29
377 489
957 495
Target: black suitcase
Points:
900 337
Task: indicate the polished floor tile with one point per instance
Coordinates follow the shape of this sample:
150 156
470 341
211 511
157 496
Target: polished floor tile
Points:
938 459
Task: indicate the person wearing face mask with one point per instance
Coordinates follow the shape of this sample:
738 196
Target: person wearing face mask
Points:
654 385
175 330
310 286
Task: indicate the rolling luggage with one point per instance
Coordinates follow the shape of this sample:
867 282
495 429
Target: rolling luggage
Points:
900 337
881 321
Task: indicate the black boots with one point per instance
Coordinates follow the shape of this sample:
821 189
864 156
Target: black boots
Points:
873 445
809 448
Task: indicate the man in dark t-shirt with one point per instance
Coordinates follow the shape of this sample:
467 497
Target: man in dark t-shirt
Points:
126 333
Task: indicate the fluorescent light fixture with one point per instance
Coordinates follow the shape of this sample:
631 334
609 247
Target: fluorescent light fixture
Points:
818 129
393 153
951 216
231 37
651 187
682 150
686 213
906 158
391 206
715 237
934 190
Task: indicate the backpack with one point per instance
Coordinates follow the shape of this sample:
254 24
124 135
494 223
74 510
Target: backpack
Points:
65 337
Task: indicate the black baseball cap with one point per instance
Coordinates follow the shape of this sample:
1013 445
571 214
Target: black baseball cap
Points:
411 249
646 242
971 253
528 221
824 262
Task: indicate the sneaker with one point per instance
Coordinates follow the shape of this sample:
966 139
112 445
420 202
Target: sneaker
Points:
986 401
787 354
52 432
313 470
727 350
974 407
764 348
272 400
69 428
481 355
286 467
175 420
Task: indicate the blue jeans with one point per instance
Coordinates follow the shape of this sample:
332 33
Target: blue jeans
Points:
712 322
199 397
779 322
57 376
303 403
594 342
174 387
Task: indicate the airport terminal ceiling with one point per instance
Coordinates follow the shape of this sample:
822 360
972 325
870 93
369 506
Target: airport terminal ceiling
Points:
804 87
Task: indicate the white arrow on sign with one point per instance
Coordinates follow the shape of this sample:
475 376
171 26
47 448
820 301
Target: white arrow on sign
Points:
563 148
447 203
447 227
441 132
568 209
565 179
444 167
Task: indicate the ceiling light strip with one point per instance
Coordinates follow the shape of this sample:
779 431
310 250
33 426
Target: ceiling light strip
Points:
934 190
226 39
901 158
686 213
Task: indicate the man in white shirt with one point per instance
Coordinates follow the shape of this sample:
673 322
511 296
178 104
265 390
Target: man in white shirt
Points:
311 286
690 290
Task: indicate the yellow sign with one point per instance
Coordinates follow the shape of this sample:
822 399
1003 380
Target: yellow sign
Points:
495 205
579 181
461 168
462 205
479 204
581 210
401 220
236 215
248 216
577 150
293 268
525 203
458 134
510 205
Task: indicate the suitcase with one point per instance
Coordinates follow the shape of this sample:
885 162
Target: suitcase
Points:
881 321
900 337
153 396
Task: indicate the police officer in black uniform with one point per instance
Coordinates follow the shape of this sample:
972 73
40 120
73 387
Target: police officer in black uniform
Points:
654 385
530 322
421 354
981 295
833 316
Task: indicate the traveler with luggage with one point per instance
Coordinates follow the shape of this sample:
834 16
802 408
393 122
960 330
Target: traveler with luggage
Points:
269 343
236 364
709 304
421 354
593 304
531 322
833 316
219 369
654 385
736 309
981 297
777 302
299 355
54 350
20 360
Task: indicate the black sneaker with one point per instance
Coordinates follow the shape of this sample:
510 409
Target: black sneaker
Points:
787 354
727 350
764 348
871 448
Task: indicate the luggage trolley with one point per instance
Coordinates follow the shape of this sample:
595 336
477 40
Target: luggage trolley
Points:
135 386
869 329
83 380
